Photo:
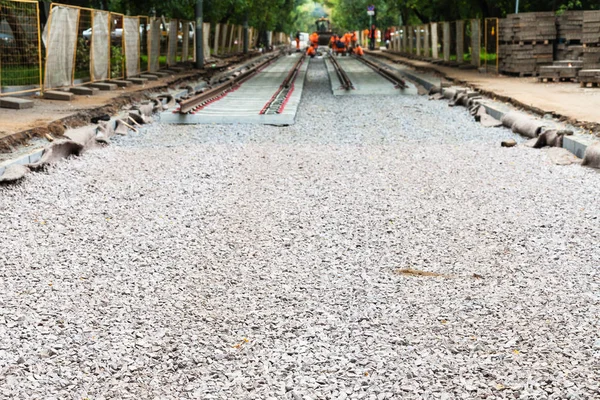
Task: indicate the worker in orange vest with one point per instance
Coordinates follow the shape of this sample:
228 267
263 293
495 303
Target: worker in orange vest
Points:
348 39
359 51
311 51
314 38
353 39
298 41
332 43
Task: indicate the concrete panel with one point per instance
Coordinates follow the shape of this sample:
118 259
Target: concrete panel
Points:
104 86
446 42
475 42
15 103
57 95
84 91
460 42
434 40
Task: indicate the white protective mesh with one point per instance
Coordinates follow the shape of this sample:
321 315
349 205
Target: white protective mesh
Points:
132 46
205 41
153 65
100 46
172 50
62 37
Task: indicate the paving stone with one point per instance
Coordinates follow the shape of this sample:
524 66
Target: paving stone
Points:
58 95
15 103
103 86
84 90
150 77
121 83
138 81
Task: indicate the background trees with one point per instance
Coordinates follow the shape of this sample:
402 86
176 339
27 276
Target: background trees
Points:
292 15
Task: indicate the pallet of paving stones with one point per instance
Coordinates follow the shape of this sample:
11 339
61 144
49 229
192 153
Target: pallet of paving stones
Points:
524 60
591 28
589 77
569 26
591 57
566 51
561 71
528 28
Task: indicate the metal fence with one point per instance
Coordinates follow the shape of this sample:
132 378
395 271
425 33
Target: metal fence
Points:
81 45
20 56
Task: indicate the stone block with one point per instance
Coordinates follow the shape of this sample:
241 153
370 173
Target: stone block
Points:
150 77
103 86
15 103
58 95
138 81
84 91
120 83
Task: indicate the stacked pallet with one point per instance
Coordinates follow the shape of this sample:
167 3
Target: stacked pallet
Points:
526 42
528 27
560 71
569 27
591 27
589 77
524 59
591 39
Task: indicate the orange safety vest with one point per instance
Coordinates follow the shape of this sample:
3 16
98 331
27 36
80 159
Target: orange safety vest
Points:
347 38
359 51
311 51
314 37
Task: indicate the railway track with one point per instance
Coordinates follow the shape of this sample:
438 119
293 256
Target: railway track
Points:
267 92
278 101
345 80
212 94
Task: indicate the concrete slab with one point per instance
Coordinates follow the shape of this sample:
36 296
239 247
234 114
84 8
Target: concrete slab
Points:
150 77
120 83
84 90
244 104
162 73
15 103
365 80
103 86
58 95
138 81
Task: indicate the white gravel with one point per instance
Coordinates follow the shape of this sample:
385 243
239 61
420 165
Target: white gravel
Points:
255 262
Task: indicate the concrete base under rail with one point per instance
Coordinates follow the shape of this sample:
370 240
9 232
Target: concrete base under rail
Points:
244 105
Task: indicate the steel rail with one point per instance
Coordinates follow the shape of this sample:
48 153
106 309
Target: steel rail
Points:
283 89
398 82
213 93
342 76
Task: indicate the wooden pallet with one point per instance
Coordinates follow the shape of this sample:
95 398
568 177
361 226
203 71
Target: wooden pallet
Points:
550 79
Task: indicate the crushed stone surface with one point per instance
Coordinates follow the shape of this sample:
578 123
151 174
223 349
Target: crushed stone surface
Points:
261 262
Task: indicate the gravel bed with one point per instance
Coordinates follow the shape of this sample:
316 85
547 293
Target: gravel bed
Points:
256 262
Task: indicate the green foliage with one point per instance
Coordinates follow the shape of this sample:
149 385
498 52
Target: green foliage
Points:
116 62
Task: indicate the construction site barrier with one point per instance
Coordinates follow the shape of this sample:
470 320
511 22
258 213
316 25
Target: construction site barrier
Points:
20 47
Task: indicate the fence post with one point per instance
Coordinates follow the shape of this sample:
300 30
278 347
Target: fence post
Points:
460 41
434 40
216 40
476 42
198 34
446 41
